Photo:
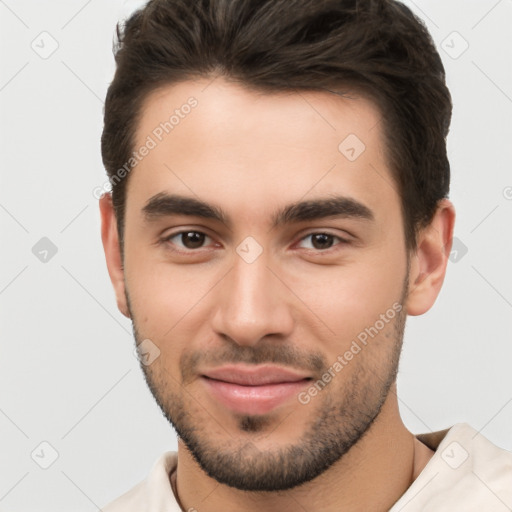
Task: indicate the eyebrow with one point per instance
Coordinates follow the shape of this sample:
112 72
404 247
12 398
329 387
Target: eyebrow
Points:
164 205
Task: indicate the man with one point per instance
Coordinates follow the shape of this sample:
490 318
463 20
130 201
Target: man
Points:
279 206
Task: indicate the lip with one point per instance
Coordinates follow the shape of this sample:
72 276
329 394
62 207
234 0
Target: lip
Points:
254 376
257 390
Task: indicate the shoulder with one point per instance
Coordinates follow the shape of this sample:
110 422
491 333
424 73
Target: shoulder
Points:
465 445
153 493
467 472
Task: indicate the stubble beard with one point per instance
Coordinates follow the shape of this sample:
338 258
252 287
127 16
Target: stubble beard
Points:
334 429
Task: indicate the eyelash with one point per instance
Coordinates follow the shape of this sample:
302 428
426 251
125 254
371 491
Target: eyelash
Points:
167 240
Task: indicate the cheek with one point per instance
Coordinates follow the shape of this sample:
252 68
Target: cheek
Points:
351 297
166 299
376 292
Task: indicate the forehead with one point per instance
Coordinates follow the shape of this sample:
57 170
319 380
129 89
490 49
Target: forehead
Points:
253 150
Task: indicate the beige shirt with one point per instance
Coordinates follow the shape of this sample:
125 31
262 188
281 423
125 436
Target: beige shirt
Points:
467 473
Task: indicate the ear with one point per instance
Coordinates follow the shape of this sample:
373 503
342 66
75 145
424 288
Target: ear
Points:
110 239
429 261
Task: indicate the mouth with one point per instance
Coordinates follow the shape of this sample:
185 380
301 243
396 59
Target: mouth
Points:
247 390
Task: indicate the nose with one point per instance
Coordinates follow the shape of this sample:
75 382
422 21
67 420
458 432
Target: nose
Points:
252 303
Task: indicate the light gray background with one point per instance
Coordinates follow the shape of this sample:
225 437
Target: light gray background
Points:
68 375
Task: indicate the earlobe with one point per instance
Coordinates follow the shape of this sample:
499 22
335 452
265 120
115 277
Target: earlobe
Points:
110 239
429 262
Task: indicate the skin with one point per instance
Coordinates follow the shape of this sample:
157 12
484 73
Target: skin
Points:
252 154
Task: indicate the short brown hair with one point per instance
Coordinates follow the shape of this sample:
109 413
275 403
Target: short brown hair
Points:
378 48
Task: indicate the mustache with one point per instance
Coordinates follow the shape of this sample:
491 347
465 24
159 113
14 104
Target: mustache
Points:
264 352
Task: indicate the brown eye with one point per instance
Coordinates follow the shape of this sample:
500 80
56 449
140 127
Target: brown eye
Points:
192 239
322 241
188 240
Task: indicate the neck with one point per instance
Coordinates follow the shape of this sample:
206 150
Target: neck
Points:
371 476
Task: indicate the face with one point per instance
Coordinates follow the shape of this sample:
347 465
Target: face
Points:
265 273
